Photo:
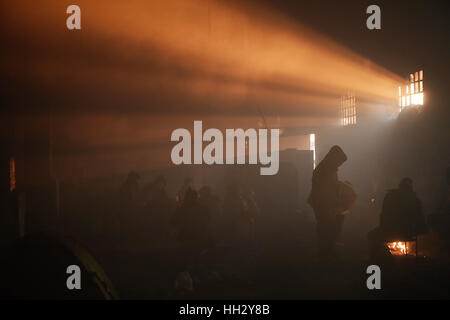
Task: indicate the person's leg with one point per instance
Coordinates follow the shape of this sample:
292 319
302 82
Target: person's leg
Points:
326 236
338 227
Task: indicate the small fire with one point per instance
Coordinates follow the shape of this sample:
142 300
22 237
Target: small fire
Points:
397 248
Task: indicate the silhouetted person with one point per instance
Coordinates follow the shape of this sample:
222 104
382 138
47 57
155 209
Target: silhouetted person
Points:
129 190
156 196
181 193
192 222
129 212
212 202
401 218
252 212
159 207
324 199
236 215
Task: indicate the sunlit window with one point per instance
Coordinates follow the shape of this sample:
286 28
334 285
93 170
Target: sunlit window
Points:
348 110
412 94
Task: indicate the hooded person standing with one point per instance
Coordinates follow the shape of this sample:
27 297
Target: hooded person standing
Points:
330 199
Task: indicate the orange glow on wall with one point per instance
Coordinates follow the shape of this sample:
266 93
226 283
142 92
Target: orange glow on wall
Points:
12 174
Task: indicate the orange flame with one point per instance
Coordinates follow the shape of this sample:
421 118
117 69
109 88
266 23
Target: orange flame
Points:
397 248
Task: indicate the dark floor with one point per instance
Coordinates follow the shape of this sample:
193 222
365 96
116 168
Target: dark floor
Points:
283 265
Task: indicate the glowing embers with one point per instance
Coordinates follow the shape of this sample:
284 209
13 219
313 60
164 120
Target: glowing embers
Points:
348 109
401 248
412 94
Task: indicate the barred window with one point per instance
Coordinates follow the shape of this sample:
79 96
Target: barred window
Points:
348 110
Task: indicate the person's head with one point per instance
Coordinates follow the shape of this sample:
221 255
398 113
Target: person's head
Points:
190 195
406 184
335 157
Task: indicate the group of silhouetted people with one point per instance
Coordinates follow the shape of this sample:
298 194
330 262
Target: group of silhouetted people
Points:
194 220
201 220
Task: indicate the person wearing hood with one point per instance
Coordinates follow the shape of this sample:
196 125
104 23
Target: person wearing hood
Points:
327 201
